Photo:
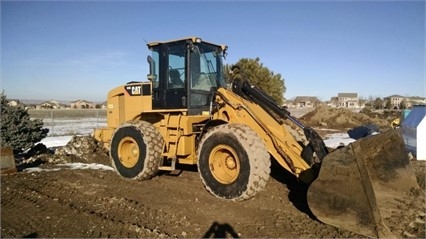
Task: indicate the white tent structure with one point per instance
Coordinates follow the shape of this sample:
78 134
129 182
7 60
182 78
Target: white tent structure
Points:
414 131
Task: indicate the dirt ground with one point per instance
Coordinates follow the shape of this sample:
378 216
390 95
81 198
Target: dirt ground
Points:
66 203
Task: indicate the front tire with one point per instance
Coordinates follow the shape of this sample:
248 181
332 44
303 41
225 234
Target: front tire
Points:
233 162
135 150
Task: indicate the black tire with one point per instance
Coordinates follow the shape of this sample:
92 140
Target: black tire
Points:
135 150
233 162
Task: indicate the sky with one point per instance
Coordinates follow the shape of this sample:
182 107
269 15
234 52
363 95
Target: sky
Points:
70 50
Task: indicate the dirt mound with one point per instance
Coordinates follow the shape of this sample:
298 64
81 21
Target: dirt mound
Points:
419 167
84 149
341 119
383 114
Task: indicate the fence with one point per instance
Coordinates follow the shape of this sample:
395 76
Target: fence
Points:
62 122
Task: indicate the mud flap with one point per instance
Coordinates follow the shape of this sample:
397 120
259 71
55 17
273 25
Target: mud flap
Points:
366 187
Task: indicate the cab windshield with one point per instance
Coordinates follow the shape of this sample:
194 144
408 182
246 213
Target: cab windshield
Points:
206 67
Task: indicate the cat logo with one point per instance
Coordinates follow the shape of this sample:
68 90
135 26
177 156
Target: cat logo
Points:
134 90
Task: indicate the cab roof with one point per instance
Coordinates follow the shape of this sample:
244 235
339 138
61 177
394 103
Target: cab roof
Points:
193 39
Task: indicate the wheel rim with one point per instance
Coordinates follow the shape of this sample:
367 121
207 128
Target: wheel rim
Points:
128 152
224 164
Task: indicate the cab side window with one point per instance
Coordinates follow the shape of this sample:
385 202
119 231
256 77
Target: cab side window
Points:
176 68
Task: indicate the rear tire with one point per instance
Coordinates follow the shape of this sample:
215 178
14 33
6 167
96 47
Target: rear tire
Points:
136 149
233 162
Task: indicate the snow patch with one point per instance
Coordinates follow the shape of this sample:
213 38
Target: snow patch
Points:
94 166
337 139
37 170
56 141
71 166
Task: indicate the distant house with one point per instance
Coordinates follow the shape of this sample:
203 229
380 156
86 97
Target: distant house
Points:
305 101
289 104
347 100
395 100
13 102
82 104
51 104
415 100
399 101
104 105
362 103
334 102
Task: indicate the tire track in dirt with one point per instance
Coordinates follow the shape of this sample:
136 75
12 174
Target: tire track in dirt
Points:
30 199
48 197
89 203
269 214
128 211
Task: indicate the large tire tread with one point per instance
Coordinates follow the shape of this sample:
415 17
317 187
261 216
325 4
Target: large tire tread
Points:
257 153
154 143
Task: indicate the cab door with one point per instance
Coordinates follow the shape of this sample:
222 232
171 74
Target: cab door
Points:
168 94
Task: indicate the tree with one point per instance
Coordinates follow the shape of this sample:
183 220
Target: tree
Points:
260 76
403 104
388 104
17 129
378 103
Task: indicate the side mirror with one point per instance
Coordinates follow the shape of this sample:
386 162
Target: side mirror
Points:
151 76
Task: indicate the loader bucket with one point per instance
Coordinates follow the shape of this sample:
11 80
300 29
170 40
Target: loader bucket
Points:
367 187
7 161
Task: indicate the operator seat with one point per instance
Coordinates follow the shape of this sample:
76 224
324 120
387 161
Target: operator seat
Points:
175 81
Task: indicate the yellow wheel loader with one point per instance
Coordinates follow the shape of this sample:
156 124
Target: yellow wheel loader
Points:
187 113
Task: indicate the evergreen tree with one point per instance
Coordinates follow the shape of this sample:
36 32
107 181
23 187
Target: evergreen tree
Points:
260 76
17 129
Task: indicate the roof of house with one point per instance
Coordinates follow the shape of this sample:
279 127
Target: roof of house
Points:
53 102
82 101
348 95
305 99
394 96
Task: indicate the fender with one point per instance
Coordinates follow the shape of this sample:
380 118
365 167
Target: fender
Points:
210 124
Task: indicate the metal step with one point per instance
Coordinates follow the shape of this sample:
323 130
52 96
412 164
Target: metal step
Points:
172 167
